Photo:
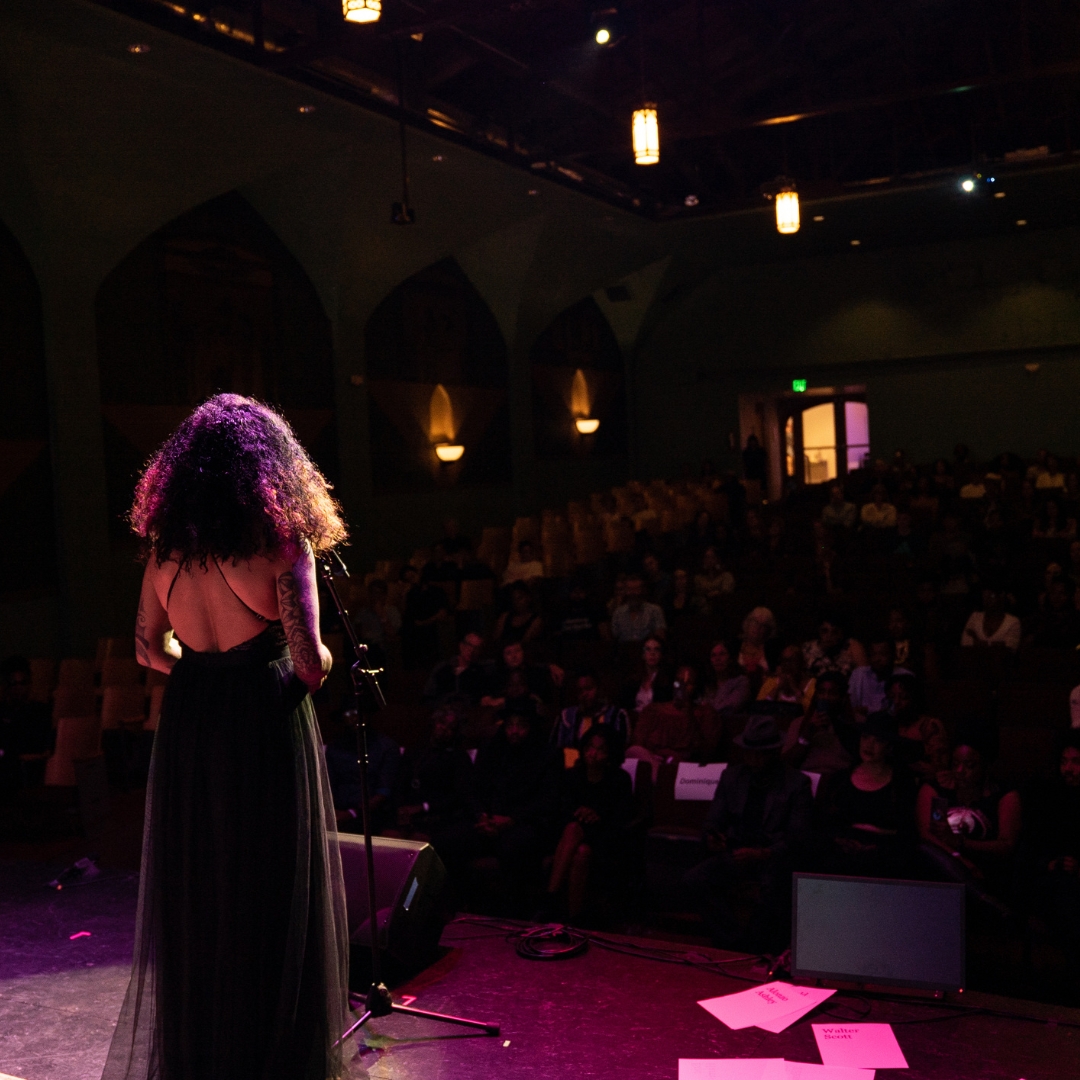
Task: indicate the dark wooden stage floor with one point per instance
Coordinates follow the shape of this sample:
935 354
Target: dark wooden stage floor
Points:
599 1015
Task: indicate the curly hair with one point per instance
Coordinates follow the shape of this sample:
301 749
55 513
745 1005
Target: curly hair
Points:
233 482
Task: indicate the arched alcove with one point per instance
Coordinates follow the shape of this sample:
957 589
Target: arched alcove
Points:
577 374
212 302
28 539
436 370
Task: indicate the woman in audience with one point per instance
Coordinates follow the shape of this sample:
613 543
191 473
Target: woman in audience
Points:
727 689
681 601
968 825
521 622
758 636
676 728
712 581
792 684
993 625
833 650
866 811
825 739
651 676
922 744
597 807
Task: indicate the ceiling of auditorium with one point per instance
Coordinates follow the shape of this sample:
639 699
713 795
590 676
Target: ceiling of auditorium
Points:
839 95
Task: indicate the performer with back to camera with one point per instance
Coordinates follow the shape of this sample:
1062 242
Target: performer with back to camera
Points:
241 953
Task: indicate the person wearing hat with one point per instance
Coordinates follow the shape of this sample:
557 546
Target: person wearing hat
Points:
867 811
757 824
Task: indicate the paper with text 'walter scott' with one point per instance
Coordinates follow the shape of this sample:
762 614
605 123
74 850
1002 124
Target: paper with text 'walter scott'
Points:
765 1006
730 1068
859 1046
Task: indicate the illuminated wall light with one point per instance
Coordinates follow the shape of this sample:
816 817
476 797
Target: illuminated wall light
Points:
603 36
967 184
448 452
819 217
138 49
787 212
587 425
361 11
646 135
999 194
855 243
1021 221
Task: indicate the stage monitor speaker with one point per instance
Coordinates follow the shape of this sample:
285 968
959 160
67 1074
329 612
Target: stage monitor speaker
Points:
409 880
878 932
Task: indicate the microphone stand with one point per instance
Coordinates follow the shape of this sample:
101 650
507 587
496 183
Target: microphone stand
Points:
369 700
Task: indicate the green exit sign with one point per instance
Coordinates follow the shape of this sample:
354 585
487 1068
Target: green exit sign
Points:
798 385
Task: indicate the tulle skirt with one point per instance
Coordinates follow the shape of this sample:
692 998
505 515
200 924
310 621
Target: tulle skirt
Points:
241 950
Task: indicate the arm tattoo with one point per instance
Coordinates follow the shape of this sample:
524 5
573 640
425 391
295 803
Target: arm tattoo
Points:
302 644
142 642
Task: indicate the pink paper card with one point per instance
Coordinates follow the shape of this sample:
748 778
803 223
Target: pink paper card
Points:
765 1005
859 1046
728 1068
801 1070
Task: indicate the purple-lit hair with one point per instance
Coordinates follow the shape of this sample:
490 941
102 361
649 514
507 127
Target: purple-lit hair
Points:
232 482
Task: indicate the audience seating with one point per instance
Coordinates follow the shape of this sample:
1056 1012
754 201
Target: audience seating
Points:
75 671
117 671
77 738
122 705
42 678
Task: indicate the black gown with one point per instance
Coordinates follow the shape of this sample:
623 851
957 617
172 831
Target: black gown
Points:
241 948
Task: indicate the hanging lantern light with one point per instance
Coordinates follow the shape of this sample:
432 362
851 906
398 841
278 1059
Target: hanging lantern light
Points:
361 11
646 135
787 211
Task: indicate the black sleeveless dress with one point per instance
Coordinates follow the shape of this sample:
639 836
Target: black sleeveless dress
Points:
241 948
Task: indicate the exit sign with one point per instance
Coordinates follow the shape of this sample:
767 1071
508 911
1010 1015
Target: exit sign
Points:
798 385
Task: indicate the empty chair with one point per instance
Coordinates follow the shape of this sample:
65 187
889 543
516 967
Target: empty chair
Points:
125 671
525 528
74 671
74 700
122 705
77 738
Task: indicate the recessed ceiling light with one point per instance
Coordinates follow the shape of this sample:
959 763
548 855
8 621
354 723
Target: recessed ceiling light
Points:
999 194
305 109
691 200
1021 221
138 48
855 243
819 217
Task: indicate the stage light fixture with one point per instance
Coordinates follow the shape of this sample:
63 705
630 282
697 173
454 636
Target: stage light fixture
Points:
646 129
587 425
361 11
448 452
967 184
787 211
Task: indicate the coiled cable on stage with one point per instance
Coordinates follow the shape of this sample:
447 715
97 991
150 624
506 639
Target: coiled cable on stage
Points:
551 941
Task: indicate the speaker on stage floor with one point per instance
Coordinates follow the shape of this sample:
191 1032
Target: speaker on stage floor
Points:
409 879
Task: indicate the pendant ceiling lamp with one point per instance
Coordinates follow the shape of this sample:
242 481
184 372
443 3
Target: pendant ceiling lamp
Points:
787 211
361 11
646 135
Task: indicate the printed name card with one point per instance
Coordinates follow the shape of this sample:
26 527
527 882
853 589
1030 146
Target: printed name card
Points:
772 1006
859 1046
730 1068
697 782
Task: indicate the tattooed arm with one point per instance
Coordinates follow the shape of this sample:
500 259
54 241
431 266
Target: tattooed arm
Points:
151 628
298 601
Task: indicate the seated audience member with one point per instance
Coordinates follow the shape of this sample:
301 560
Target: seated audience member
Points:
525 566
452 541
1051 523
969 827
658 582
343 772
1056 625
26 733
597 809
975 488
909 650
1051 847
680 729
521 622
636 619
426 606
537 680
838 512
712 581
867 811
1050 477
756 826
825 740
758 634
650 676
473 568
727 689
993 625
879 513
922 744
433 792
516 786
924 503
378 622
833 650
792 684
441 567
581 618
682 601
908 543
591 710
867 687
461 675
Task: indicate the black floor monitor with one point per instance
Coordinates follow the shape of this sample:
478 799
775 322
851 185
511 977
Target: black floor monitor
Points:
873 931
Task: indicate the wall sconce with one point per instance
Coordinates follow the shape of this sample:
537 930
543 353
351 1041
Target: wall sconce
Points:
361 11
586 425
448 452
